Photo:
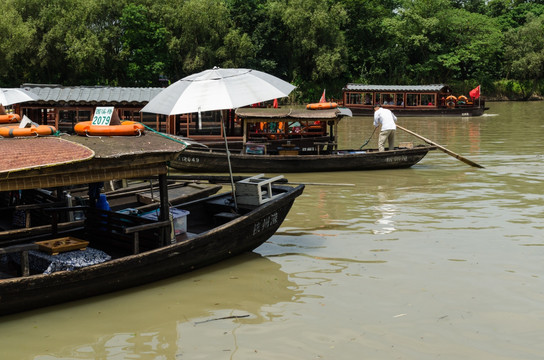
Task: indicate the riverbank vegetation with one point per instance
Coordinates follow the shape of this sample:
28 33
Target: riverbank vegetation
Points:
314 44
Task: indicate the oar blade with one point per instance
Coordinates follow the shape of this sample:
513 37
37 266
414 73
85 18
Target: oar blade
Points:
447 151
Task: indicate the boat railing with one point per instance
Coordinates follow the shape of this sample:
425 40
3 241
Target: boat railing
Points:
21 241
22 250
135 231
331 146
97 220
56 224
67 210
29 209
118 229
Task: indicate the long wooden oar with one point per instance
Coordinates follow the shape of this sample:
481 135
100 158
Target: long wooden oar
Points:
225 179
449 152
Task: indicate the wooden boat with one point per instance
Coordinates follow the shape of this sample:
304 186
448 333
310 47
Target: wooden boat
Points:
407 100
193 160
121 250
143 196
294 149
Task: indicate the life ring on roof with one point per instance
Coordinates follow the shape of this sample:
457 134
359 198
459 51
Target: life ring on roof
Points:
9 118
127 128
16 131
451 101
322 106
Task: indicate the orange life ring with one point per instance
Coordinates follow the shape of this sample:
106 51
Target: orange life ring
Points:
322 106
451 101
9 118
16 131
127 128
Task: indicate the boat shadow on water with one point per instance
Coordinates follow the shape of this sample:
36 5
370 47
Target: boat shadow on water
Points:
241 290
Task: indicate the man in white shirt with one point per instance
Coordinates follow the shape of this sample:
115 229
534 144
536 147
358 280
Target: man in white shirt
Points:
386 119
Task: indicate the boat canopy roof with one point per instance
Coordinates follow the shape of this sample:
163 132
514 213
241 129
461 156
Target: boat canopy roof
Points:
286 114
399 88
53 161
52 94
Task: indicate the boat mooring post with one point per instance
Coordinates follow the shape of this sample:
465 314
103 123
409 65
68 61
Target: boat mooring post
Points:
228 161
164 213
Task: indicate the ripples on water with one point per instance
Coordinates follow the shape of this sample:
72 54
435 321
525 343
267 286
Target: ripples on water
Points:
440 237
437 261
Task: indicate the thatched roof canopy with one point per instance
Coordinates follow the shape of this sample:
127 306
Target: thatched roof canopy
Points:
71 160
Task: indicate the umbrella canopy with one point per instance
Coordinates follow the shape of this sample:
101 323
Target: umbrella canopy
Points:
16 95
217 89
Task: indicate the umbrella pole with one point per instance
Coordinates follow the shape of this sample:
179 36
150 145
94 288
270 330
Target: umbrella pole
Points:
228 160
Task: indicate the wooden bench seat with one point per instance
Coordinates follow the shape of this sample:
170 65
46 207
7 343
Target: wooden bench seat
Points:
23 249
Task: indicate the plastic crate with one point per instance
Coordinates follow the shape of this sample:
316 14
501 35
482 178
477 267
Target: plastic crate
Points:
179 218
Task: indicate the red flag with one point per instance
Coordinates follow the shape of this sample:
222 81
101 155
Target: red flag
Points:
275 103
475 93
322 100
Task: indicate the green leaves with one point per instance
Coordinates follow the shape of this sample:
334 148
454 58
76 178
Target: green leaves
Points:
143 46
524 53
524 49
16 38
314 43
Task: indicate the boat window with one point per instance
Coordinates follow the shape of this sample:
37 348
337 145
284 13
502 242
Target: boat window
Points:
70 116
367 98
387 98
412 99
399 99
274 130
354 98
269 130
132 114
428 99
209 123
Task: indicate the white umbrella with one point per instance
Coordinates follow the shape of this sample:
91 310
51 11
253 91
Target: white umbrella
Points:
16 95
217 89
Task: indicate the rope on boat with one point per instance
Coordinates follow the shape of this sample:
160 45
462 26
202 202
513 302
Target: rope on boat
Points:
166 136
362 146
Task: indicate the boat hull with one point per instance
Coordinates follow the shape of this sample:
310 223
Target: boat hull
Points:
421 112
242 234
347 160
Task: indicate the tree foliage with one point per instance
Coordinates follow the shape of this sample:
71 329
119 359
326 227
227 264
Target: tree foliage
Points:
16 37
524 52
143 46
314 44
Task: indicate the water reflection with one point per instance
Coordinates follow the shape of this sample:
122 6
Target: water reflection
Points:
386 214
159 320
